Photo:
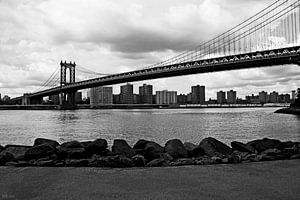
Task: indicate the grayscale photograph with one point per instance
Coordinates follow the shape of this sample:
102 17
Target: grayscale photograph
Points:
149 100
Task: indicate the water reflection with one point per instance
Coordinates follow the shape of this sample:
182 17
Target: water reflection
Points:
191 125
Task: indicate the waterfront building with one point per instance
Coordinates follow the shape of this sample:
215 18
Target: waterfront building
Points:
284 98
116 99
263 97
293 96
221 98
189 98
273 97
78 97
198 94
145 94
231 97
137 99
182 99
126 95
166 97
101 95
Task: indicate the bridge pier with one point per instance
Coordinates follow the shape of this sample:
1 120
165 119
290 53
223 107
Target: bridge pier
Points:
67 101
26 100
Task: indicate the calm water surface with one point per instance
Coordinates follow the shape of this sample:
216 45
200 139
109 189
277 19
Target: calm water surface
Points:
225 124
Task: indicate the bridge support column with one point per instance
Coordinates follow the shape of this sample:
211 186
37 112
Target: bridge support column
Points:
25 100
67 101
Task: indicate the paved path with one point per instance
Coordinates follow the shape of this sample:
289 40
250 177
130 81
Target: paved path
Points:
268 180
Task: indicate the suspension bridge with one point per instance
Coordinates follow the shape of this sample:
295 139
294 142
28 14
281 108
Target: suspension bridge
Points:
269 38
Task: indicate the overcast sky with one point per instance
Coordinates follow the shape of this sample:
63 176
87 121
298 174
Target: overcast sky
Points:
112 36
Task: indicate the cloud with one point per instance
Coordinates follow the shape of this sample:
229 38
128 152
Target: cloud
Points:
122 35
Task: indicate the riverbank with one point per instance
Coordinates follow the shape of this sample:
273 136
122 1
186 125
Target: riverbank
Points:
49 153
267 180
290 110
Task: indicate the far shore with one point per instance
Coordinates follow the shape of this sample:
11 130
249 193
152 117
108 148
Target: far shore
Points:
141 106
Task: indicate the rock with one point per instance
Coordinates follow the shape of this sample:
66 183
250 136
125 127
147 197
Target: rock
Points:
182 162
296 156
167 157
5 158
98 146
159 162
141 144
71 153
217 159
176 149
288 144
1 148
235 158
267 158
23 164
239 146
72 145
18 151
44 162
271 152
288 152
39 141
118 161
121 147
225 160
39 151
193 150
266 143
153 151
138 161
77 163
212 147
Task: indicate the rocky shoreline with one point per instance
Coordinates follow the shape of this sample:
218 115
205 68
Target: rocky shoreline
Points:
49 153
290 110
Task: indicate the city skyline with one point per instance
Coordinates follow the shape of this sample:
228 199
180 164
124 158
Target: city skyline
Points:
36 39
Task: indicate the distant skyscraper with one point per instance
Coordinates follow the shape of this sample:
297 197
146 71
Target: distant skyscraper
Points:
231 97
221 98
166 97
126 95
145 94
263 97
274 97
198 94
101 95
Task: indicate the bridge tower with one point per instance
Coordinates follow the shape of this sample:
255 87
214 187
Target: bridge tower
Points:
67 99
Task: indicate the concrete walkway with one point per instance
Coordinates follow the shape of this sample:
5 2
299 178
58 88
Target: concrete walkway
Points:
268 180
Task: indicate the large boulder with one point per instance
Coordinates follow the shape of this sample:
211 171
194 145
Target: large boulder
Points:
121 147
98 147
213 147
159 162
176 149
141 144
239 146
1 148
72 145
40 151
40 141
153 151
266 143
117 161
5 158
193 150
18 151
71 150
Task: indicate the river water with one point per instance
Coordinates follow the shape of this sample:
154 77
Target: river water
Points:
160 125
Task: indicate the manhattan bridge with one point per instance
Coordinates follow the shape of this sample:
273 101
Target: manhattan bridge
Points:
269 38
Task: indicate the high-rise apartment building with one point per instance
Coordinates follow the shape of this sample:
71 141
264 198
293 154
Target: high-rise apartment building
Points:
126 95
198 94
145 94
166 97
263 97
101 95
231 97
221 97
273 97
78 97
